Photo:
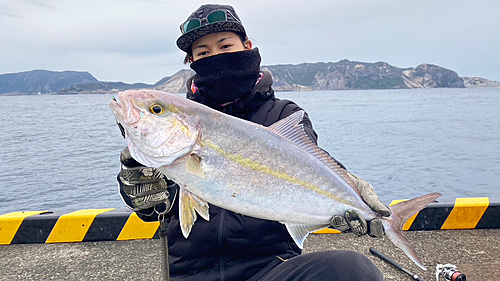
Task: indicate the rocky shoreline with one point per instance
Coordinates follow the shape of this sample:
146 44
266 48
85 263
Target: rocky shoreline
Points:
350 75
341 75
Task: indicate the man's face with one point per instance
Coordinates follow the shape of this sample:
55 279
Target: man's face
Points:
218 43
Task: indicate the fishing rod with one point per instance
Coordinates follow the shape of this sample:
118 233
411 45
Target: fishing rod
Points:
162 231
448 271
165 268
395 264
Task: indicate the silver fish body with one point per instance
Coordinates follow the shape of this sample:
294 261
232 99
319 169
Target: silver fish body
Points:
274 173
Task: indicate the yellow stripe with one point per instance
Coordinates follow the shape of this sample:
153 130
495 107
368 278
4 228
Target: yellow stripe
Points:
410 221
72 227
10 223
135 228
466 213
327 231
248 163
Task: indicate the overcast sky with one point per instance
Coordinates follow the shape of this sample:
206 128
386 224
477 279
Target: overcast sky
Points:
134 40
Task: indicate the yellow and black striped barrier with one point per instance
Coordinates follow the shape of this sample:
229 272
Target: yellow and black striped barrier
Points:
79 226
117 225
463 213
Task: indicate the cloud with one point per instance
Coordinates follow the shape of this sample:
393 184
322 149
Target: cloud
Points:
9 14
8 11
112 34
41 3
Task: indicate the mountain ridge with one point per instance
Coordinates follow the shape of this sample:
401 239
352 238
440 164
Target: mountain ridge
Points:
341 75
40 81
349 75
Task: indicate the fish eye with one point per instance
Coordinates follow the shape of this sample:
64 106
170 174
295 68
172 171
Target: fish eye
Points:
156 109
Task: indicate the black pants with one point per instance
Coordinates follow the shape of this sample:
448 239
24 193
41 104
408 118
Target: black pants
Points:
322 266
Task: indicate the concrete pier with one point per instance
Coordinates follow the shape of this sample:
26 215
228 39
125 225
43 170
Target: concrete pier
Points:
110 244
476 253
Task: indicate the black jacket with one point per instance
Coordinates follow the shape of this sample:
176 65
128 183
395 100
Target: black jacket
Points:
232 246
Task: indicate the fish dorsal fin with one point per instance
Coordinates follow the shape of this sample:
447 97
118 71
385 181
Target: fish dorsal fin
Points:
299 232
292 130
189 205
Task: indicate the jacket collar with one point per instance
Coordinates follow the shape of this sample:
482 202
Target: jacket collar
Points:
261 93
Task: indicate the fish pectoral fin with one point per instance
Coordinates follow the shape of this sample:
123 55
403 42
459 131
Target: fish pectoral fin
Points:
189 205
193 165
299 232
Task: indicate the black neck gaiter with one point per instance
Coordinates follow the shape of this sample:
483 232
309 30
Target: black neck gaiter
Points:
227 78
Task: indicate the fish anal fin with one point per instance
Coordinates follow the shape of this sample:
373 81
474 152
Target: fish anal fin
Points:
189 205
299 232
193 165
291 129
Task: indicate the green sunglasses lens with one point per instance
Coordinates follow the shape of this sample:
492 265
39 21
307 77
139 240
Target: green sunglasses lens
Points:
216 16
192 24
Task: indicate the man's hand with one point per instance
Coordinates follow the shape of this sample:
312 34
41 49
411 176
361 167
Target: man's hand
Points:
352 220
368 195
143 188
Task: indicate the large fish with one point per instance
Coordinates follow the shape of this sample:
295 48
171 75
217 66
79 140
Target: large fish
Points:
274 173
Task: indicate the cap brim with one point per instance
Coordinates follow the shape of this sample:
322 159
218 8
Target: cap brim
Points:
186 40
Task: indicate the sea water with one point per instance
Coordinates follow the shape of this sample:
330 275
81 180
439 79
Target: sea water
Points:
62 152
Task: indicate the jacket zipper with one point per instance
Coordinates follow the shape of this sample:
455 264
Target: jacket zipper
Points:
219 245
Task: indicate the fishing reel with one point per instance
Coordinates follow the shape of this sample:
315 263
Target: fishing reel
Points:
449 272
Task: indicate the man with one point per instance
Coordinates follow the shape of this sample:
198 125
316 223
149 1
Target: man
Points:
231 246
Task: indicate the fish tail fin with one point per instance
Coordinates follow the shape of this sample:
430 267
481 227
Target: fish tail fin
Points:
401 212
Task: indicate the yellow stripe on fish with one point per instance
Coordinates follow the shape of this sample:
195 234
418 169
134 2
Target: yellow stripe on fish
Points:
249 163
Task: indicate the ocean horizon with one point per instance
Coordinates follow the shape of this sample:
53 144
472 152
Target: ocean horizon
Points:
62 152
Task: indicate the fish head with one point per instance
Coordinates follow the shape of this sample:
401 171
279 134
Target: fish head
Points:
157 130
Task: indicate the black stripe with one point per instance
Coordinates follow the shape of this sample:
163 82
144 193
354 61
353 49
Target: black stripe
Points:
491 217
106 227
432 217
35 229
157 234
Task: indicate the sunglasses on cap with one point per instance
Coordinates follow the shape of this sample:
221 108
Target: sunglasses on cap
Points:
212 17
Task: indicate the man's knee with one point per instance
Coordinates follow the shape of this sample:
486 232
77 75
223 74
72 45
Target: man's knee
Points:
349 265
336 257
326 265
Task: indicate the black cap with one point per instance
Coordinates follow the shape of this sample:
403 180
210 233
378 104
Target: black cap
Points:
233 23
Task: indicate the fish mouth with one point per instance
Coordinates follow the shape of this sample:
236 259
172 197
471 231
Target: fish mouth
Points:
123 112
117 109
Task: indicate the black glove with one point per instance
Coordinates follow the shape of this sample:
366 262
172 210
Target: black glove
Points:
145 190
